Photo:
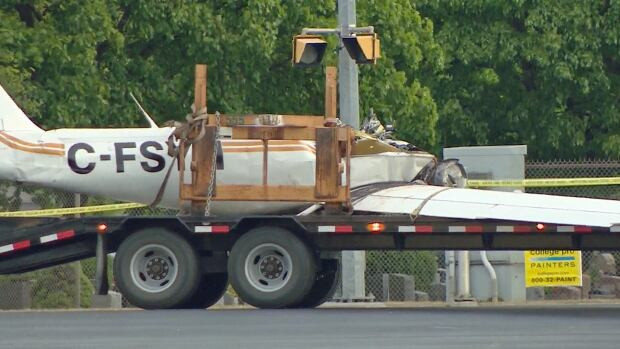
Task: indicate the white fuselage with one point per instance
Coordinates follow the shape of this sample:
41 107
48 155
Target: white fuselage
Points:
131 164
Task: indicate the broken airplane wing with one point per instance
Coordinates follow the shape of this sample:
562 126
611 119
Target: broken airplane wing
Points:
422 200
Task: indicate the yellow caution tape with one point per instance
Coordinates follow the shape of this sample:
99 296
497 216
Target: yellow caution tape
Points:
472 183
70 210
551 182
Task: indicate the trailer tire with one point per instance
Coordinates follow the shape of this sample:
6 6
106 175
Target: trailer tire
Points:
324 286
270 267
212 287
156 269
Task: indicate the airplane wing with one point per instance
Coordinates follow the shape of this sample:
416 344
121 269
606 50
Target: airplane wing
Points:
485 204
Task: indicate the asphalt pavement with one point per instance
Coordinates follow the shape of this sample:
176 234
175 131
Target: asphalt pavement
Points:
427 327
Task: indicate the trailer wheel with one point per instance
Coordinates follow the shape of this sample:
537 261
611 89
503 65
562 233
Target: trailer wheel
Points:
156 269
270 267
324 286
212 287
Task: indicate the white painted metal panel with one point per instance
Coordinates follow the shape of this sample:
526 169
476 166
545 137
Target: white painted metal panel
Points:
485 204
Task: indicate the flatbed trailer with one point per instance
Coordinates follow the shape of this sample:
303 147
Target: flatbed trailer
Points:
272 261
284 261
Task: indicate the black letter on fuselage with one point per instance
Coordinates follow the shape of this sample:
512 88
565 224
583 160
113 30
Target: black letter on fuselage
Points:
144 150
121 157
72 161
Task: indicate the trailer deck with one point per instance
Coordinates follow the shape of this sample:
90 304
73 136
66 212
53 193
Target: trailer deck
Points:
32 243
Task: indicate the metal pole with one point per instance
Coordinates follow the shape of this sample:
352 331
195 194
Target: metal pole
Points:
492 275
353 262
450 279
463 294
347 77
77 267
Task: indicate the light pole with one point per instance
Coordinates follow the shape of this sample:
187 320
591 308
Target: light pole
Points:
356 45
348 75
353 263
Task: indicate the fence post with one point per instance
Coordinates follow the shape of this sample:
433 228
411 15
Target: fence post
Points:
77 267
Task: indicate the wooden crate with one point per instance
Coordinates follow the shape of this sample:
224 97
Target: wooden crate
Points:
333 148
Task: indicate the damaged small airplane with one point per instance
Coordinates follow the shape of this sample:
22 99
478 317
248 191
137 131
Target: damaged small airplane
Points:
130 164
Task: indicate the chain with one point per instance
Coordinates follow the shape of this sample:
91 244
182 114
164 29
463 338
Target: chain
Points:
213 164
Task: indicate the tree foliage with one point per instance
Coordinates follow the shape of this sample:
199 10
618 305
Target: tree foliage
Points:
542 73
396 87
463 72
71 63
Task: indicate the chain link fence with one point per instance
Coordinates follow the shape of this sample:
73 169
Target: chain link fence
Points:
390 275
600 269
576 169
405 276
64 286
420 275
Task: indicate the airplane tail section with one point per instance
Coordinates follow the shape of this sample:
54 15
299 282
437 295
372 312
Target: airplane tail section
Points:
12 118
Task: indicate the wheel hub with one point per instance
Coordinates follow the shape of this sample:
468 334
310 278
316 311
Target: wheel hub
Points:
154 268
271 267
268 267
157 268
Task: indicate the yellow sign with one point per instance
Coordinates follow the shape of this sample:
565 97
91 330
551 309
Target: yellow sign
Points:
552 268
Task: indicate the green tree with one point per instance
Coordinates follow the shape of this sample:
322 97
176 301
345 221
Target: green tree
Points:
71 63
542 73
397 87
50 57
